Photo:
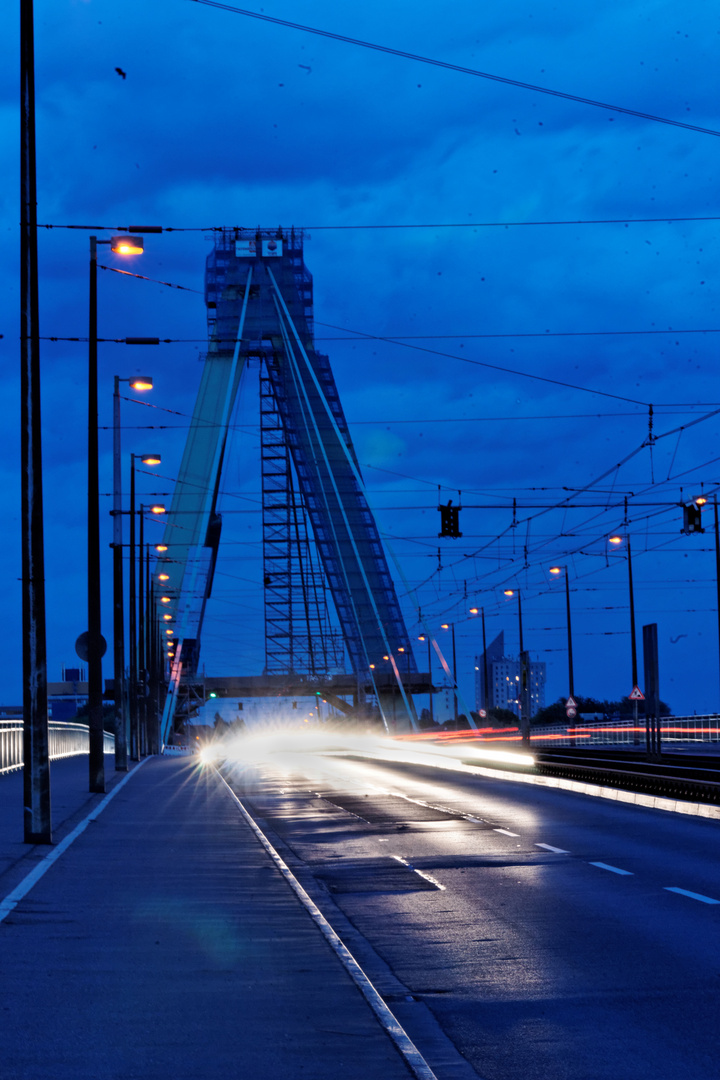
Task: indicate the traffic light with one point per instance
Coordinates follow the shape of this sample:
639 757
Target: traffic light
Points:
692 519
449 520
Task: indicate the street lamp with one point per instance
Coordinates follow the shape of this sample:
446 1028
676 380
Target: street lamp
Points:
451 627
559 570
124 245
423 637
137 382
617 539
474 611
146 459
524 697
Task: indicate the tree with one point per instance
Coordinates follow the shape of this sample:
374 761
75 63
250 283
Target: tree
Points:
505 717
425 721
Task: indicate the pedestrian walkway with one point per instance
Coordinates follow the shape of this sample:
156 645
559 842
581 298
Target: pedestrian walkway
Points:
164 944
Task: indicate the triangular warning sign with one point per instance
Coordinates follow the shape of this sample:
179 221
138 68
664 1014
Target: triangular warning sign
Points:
571 703
637 694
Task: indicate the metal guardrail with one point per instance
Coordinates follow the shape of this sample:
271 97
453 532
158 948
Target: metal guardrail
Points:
64 739
673 729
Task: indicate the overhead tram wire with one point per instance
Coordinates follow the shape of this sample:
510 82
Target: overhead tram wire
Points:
409 225
418 348
562 504
455 67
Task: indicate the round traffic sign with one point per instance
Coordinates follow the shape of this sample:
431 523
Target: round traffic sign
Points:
82 646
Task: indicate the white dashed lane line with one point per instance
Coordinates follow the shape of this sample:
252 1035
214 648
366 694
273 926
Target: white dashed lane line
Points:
506 832
557 850
692 895
614 869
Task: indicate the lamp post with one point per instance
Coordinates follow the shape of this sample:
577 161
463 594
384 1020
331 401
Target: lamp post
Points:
451 628
559 570
139 382
146 459
426 637
124 245
617 539
485 664
524 696
483 705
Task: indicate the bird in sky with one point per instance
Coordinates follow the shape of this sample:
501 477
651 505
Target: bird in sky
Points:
121 73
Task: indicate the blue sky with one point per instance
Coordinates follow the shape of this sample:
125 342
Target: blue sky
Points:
225 120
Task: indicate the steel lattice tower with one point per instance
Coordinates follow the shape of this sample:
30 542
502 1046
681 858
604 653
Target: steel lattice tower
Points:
259 299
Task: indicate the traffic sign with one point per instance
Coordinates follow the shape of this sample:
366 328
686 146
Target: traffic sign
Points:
570 712
637 694
571 703
82 646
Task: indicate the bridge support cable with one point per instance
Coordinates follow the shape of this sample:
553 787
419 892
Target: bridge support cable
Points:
347 610
331 474
192 562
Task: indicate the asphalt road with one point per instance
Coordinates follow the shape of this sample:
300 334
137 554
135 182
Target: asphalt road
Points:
552 935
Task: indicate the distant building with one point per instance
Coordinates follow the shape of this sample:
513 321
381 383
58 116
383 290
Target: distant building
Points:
66 697
504 679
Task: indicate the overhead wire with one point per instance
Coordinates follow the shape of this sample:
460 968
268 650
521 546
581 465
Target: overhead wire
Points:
454 67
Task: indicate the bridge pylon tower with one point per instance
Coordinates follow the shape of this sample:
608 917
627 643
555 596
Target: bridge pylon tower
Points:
259 300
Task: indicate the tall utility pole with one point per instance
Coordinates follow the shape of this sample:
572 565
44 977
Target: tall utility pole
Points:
571 678
96 757
36 775
717 566
485 664
119 690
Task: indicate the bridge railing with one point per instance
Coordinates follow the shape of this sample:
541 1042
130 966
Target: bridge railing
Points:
673 729
65 739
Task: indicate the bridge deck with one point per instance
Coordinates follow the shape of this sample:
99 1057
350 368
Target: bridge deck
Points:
165 943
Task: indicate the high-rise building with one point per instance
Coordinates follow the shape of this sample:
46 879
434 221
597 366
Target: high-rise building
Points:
504 679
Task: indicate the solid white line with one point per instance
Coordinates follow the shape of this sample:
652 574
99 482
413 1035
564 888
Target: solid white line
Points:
13 898
420 873
615 869
692 895
557 850
397 1033
507 832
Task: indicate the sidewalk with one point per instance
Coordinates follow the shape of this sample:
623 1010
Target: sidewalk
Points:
164 944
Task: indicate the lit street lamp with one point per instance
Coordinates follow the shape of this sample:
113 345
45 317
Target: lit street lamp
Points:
451 627
146 459
124 245
424 637
616 540
481 612
571 684
524 696
139 382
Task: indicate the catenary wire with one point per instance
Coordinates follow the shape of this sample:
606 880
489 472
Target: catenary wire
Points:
455 67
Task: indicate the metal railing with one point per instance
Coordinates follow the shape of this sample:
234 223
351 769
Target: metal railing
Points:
673 729
64 740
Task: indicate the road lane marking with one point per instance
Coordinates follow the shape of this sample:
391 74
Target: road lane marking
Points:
615 869
557 850
692 895
420 873
506 832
